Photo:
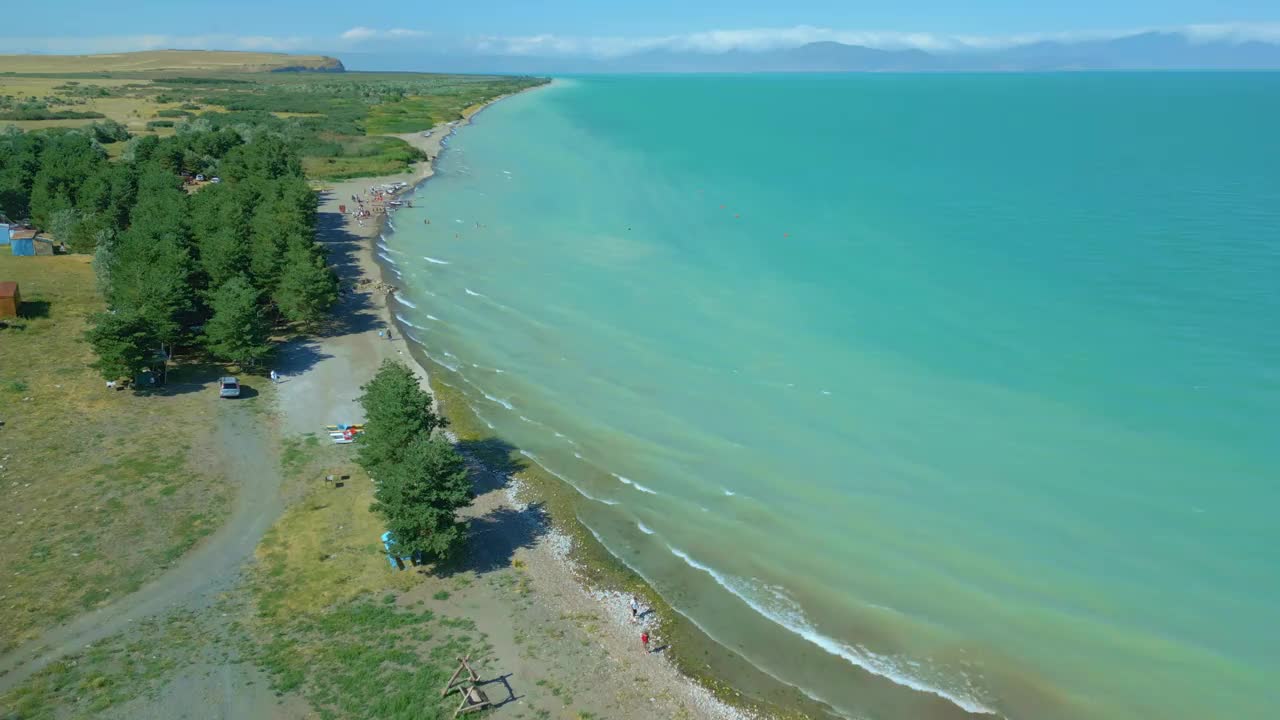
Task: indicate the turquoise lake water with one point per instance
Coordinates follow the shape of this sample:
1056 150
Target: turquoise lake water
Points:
922 393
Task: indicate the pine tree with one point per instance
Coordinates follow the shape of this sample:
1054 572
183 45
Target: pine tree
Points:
237 331
308 287
419 498
124 343
397 411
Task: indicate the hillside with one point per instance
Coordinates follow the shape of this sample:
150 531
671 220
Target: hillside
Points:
151 60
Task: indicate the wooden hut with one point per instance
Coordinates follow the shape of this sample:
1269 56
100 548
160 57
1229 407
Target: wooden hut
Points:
10 300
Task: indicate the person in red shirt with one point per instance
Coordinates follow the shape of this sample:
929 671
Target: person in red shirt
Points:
644 640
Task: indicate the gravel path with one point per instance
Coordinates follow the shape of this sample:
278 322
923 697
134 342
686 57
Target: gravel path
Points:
196 580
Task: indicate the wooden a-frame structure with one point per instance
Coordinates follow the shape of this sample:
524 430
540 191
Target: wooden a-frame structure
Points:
473 698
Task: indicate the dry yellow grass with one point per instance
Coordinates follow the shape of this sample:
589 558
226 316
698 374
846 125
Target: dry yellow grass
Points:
328 543
151 60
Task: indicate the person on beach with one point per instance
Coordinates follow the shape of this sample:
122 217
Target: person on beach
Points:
644 640
635 610
275 377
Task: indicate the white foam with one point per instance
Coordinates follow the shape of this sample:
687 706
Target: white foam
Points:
433 317
644 529
400 299
566 480
785 612
393 227
634 484
578 455
408 322
500 401
728 492
473 293
435 261
387 258
438 361
482 418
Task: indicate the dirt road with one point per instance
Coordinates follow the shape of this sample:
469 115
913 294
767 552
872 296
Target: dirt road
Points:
197 579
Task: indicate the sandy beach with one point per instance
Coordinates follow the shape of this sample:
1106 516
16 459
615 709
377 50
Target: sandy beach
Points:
557 639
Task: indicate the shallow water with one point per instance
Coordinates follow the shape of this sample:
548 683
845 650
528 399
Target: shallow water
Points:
922 393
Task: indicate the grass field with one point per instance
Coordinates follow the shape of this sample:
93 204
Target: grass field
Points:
328 620
101 489
109 673
338 120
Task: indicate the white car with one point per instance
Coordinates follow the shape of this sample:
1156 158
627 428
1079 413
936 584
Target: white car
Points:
228 387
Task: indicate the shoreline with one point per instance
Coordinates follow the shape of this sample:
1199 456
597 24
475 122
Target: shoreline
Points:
571 554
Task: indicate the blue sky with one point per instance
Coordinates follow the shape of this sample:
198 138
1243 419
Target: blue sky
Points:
604 27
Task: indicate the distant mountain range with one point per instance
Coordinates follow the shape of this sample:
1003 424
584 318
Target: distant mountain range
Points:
1145 51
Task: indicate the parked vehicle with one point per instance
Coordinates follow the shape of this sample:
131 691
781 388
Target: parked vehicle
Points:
228 387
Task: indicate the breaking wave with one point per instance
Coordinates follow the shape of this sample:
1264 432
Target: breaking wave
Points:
566 480
634 484
408 322
774 604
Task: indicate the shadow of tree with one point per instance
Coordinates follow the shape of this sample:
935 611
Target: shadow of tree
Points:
493 539
298 356
493 461
356 311
32 309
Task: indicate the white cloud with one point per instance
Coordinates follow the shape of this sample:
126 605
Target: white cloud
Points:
612 46
757 39
358 33
361 34
405 33
1234 32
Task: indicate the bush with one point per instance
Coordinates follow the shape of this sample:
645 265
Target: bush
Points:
109 131
160 124
47 114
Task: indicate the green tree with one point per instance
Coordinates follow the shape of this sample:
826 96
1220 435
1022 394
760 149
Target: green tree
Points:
419 498
103 257
63 224
124 343
19 163
267 155
237 331
109 131
285 216
67 161
397 411
151 275
308 287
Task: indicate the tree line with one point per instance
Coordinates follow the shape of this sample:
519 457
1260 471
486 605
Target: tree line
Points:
422 481
215 269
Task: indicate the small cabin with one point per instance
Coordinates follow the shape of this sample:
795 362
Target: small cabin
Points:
10 299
